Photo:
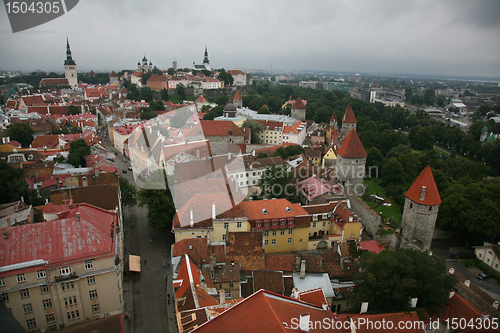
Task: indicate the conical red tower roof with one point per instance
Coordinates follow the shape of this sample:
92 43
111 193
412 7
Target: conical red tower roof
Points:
298 104
424 190
349 116
334 117
237 96
352 147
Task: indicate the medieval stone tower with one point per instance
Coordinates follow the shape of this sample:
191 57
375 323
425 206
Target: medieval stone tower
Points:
237 100
350 167
70 68
348 121
420 212
298 110
333 121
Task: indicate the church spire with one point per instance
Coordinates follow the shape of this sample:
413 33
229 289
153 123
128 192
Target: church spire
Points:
205 60
69 59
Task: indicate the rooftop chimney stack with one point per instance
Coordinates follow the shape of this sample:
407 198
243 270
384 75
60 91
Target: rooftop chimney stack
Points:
414 301
222 296
213 211
422 195
78 216
303 269
304 322
191 218
295 293
452 293
325 306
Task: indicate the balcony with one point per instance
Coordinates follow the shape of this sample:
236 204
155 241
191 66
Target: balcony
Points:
70 276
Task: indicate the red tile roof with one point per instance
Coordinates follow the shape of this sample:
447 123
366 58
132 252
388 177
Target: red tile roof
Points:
215 128
267 312
237 96
268 280
199 250
280 262
113 74
53 81
60 240
45 141
201 99
349 116
157 78
370 246
235 72
431 196
298 104
275 208
313 296
352 147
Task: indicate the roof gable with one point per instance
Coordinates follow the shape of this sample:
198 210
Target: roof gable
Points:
424 190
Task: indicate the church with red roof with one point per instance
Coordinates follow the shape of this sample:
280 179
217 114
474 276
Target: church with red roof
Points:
420 212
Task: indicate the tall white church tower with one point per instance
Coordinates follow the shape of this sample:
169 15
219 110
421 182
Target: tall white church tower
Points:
70 68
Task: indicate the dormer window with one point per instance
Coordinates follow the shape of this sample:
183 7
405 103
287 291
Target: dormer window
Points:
264 211
230 132
288 209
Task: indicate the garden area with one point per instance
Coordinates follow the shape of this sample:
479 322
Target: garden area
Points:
376 198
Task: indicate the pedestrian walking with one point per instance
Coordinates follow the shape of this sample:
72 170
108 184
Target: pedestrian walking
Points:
164 263
144 261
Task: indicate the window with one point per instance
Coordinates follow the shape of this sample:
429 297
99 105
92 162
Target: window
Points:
67 286
230 285
31 322
95 308
91 279
289 241
324 223
315 217
266 242
73 315
224 237
27 308
290 221
283 222
93 294
226 225
266 233
2 282
275 222
65 270
282 233
325 216
41 274
5 297
258 224
89 264
25 293
238 224
50 318
275 232
273 242
290 231
314 224
47 303
496 265
228 294
21 278
253 173
247 174
480 255
266 224
258 173
44 289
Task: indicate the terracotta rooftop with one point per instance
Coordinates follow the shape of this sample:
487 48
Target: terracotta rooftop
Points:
198 250
269 209
215 128
237 96
424 190
298 104
349 116
268 280
352 147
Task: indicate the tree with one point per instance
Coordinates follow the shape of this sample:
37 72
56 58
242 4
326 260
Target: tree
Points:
255 129
148 114
286 152
408 93
393 172
322 116
226 77
181 91
146 94
21 133
72 109
275 183
78 149
388 280
13 186
164 94
422 138
145 77
156 105
429 96
156 195
441 100
264 110
128 192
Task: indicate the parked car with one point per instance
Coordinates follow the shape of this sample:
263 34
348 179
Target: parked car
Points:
125 160
130 168
483 276
124 171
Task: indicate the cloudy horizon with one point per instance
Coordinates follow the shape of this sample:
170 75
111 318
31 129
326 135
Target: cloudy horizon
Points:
418 37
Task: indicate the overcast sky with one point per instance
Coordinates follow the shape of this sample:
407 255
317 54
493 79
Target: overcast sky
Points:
423 37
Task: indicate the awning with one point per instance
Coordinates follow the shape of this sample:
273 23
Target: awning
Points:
134 263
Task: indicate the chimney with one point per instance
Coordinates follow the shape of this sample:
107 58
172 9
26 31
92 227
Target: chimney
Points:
297 262
364 307
78 216
8 222
452 293
97 173
467 283
253 153
495 305
422 195
203 285
485 315
51 177
213 211
414 301
325 306
320 262
295 293
351 218
303 269
5 233
191 218
213 261
452 270
229 155
304 322
222 296
197 153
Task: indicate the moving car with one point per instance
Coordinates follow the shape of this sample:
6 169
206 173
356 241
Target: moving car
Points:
130 168
124 171
483 276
